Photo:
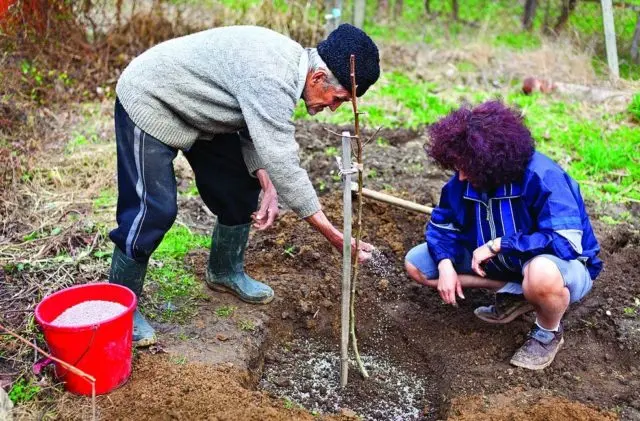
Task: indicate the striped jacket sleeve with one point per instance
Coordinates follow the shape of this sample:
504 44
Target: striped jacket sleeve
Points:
444 233
559 224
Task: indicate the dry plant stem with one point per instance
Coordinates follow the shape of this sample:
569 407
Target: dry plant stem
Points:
69 367
354 103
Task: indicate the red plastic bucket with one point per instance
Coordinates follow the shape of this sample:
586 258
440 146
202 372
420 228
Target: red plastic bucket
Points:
102 350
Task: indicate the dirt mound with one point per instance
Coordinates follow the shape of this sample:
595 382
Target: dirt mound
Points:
165 389
519 406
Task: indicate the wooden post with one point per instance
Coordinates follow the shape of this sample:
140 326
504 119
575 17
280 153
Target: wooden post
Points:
359 7
346 261
635 41
529 14
610 38
333 12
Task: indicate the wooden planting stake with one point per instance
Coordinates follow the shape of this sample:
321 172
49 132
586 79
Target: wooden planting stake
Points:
356 115
610 38
346 260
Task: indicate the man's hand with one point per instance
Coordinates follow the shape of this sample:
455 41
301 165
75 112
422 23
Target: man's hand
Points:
320 222
449 283
481 255
268 211
365 250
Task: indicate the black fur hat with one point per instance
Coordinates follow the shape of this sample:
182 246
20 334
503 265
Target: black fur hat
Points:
336 51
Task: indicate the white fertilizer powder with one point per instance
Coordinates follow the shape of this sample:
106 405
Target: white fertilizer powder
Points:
89 313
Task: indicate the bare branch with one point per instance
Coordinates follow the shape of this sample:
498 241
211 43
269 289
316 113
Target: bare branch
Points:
354 103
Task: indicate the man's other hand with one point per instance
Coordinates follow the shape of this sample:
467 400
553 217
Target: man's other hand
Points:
268 211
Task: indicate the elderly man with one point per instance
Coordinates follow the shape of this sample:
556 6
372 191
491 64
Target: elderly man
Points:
225 98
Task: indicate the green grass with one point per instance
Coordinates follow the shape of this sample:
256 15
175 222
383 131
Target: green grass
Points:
246 325
172 292
604 153
518 41
106 199
178 241
397 101
225 311
603 148
634 107
23 391
80 140
172 288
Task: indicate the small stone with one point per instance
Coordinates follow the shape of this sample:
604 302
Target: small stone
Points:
306 306
608 357
221 337
285 315
304 290
282 382
608 313
383 285
346 412
567 375
327 304
6 406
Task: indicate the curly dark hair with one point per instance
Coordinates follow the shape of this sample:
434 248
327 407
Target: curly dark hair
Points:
489 143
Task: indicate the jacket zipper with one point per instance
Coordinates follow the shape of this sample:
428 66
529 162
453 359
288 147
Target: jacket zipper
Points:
492 226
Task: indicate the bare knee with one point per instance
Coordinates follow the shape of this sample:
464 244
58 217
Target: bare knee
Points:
415 274
542 278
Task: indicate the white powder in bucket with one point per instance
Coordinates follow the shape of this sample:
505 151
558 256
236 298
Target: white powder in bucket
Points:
89 313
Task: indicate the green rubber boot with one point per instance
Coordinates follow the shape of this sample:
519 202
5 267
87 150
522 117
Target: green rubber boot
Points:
225 271
129 273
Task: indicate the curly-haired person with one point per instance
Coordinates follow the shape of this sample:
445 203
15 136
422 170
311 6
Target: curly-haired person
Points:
509 220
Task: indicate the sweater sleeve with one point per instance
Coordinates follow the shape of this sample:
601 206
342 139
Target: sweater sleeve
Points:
267 105
249 153
559 223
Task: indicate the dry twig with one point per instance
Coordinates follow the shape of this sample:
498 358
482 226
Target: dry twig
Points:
354 103
74 370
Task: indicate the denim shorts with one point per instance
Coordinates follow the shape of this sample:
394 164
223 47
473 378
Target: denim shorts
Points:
574 273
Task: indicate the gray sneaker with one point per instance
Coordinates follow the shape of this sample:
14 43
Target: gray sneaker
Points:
506 308
539 350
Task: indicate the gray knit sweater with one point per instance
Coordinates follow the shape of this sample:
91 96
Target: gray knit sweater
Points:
220 81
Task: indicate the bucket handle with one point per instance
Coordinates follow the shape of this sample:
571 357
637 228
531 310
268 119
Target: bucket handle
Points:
75 364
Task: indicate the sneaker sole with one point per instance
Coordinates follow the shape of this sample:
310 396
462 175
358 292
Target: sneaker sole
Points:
523 310
541 366
222 288
143 343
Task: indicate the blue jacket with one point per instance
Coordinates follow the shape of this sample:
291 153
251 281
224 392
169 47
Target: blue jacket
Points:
542 214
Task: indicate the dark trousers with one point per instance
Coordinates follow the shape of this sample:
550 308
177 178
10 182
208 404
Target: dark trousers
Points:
147 189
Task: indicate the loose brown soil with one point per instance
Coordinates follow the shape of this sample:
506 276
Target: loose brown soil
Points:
520 405
161 389
427 360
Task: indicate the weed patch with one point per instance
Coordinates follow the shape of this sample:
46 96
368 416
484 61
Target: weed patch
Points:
634 108
172 292
246 325
172 288
23 391
178 241
225 311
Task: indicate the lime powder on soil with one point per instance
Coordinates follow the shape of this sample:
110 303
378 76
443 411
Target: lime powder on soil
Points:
89 312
